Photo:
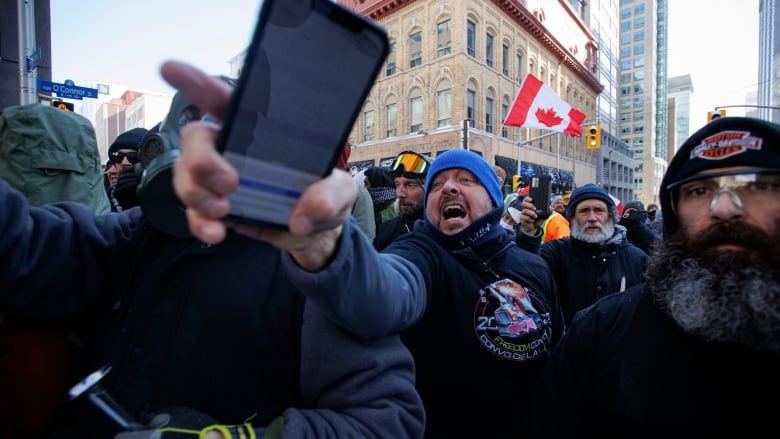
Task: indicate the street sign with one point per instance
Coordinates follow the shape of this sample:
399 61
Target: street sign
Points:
67 91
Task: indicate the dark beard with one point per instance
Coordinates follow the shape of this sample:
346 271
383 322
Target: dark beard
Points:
724 297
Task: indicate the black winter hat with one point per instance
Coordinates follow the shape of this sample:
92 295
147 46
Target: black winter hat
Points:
634 204
722 143
130 139
588 192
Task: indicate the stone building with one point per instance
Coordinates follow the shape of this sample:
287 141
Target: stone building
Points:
453 72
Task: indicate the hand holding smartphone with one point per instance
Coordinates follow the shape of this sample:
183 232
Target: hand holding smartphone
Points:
308 70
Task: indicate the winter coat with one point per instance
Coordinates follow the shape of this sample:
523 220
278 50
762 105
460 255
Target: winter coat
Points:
219 329
479 329
587 272
625 369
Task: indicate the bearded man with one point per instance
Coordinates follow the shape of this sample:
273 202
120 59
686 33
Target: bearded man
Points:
695 351
595 260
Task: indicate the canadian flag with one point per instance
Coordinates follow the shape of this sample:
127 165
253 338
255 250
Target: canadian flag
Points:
537 106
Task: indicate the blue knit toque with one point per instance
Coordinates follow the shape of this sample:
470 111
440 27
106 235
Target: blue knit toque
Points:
473 162
588 192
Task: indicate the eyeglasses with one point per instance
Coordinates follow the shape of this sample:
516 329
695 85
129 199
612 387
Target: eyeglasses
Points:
746 190
118 156
409 162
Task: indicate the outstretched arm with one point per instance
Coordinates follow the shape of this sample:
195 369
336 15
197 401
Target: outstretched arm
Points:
203 179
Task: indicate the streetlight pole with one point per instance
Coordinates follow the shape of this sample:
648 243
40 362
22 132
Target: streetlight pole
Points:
28 71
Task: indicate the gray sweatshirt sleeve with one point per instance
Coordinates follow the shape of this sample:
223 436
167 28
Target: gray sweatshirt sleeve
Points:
369 293
360 388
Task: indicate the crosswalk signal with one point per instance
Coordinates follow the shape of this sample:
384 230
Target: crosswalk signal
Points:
62 105
594 137
712 115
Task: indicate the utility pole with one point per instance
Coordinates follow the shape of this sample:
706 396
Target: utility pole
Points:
28 53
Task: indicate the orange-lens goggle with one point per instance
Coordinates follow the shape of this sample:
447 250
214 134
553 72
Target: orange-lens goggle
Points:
409 162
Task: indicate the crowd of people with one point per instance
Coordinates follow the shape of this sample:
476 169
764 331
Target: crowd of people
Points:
416 302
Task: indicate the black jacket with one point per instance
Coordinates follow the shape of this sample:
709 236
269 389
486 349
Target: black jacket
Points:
625 369
587 272
219 329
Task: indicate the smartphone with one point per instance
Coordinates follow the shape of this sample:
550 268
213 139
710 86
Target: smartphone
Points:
307 72
540 191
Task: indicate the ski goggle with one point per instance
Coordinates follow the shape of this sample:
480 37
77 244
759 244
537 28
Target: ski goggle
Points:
118 156
409 162
756 187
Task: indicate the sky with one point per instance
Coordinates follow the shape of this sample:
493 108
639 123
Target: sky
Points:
716 42
125 42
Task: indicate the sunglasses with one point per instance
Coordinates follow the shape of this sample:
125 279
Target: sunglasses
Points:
409 162
118 156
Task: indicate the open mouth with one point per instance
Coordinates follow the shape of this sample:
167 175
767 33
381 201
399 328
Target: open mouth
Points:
453 211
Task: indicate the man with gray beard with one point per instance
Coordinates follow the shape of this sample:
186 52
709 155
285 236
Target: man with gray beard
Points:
694 352
595 260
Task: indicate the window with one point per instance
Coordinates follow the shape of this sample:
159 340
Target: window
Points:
639 48
443 39
391 60
368 126
625 51
625 91
489 50
415 113
639 22
444 105
639 115
519 66
638 129
489 113
505 60
625 26
638 102
639 61
415 49
471 103
625 116
471 38
504 112
391 114
625 13
625 64
639 36
625 103
625 78
639 9
639 89
625 39
639 75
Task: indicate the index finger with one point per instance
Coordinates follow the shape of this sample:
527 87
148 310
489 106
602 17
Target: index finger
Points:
210 94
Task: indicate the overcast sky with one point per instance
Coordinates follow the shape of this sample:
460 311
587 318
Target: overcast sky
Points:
124 42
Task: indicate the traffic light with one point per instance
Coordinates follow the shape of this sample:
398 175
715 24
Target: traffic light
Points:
62 105
515 182
712 115
594 137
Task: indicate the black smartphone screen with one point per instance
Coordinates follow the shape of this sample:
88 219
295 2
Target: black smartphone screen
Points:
307 72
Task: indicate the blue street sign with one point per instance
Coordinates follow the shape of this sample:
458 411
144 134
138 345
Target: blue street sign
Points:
67 91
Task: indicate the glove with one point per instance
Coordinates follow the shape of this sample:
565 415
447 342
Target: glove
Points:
125 191
186 423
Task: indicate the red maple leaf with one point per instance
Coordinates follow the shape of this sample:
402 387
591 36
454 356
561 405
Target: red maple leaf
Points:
548 117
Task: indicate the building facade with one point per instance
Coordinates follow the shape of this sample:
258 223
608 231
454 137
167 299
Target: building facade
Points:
615 169
642 82
679 96
453 72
